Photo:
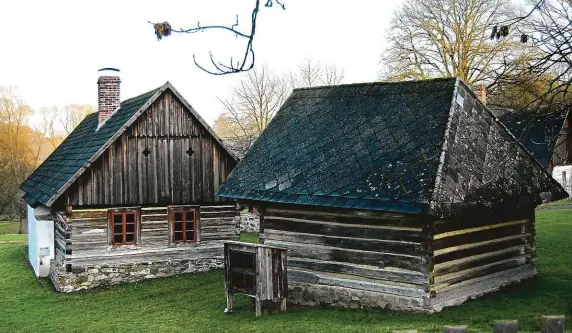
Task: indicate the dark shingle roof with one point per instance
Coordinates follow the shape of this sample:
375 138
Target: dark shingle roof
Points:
368 146
536 130
425 147
75 151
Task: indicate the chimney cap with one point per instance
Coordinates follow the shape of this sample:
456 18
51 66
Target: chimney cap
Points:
108 70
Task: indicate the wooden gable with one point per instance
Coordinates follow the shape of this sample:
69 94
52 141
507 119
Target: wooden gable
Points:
166 156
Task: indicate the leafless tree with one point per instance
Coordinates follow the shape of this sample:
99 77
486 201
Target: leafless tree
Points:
548 26
252 103
72 115
446 38
246 63
46 130
312 73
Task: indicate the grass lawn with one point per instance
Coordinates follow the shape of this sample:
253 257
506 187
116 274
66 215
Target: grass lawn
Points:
12 238
8 227
195 303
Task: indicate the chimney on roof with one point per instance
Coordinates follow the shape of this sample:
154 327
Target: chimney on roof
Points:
108 93
481 92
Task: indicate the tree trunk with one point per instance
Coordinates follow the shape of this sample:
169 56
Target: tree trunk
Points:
23 226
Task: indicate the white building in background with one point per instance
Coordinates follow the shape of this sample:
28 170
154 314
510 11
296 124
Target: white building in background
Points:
563 175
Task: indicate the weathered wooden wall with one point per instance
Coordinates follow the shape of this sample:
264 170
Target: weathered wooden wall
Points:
88 242
62 235
184 164
384 253
410 262
563 145
473 256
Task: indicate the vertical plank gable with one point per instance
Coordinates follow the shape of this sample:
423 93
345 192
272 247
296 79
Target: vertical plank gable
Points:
184 164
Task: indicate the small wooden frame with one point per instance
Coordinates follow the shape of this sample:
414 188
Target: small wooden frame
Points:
256 270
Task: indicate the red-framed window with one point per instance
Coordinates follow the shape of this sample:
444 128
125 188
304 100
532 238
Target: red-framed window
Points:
184 224
123 227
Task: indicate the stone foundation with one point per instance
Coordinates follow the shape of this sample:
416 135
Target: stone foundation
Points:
249 223
316 295
92 276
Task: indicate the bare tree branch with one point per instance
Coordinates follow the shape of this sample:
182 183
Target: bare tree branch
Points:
247 63
252 104
312 73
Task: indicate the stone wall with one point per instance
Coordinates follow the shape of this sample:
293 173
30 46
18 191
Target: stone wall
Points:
322 295
92 276
249 222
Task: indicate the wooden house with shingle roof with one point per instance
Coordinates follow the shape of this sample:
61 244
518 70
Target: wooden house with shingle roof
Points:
547 137
130 194
407 195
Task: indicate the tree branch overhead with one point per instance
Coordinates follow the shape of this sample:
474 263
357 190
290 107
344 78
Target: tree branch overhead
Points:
246 61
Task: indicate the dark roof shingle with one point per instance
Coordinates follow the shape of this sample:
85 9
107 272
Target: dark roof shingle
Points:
354 146
537 130
381 146
75 151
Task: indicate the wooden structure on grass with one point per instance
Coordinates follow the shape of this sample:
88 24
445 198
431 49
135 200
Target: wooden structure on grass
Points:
130 193
258 271
407 195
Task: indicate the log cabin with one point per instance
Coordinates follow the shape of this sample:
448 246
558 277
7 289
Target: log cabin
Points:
407 195
130 194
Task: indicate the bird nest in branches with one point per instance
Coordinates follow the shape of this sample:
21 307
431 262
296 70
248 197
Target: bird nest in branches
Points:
162 30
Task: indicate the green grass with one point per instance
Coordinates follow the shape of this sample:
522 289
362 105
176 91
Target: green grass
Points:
195 303
12 238
8 227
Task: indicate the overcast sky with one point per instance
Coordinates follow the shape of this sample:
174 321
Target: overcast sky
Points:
52 49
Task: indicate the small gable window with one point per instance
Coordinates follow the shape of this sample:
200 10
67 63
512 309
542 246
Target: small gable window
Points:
184 221
124 226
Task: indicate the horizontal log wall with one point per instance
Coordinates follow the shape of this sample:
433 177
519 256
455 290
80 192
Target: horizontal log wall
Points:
166 157
375 252
89 241
62 240
472 257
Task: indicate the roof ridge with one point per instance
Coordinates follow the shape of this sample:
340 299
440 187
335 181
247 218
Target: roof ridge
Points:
376 83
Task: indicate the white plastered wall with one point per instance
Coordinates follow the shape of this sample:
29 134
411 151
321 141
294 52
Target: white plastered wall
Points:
563 175
40 240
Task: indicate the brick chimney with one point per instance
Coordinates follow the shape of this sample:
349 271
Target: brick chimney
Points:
481 92
108 93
